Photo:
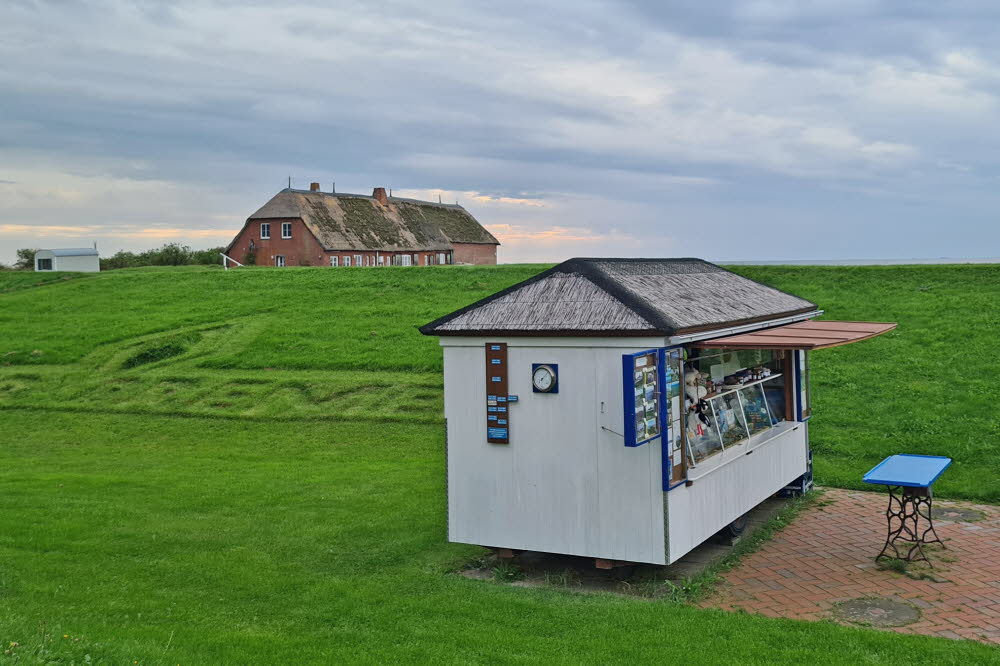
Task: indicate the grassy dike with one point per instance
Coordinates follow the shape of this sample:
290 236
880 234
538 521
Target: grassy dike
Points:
247 467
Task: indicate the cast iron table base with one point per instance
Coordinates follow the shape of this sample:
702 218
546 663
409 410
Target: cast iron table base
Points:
906 537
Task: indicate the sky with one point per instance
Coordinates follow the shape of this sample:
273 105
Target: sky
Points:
753 130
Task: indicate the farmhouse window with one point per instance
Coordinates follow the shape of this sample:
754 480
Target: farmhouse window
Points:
441 258
279 260
347 261
265 230
286 229
45 264
406 259
357 260
334 261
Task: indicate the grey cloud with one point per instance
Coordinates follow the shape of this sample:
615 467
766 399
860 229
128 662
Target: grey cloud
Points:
732 115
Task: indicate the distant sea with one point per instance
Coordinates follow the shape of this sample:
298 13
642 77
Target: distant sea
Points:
862 262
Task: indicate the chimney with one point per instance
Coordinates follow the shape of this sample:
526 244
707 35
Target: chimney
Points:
379 193
314 187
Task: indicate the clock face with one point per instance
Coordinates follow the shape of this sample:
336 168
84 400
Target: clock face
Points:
543 378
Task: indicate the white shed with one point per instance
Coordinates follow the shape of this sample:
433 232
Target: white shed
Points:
79 259
629 409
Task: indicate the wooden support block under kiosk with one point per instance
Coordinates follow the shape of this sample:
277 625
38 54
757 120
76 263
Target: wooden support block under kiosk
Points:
600 563
497 410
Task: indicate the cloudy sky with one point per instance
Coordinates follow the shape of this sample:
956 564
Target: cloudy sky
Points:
758 130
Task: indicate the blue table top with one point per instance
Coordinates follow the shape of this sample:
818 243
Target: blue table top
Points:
908 470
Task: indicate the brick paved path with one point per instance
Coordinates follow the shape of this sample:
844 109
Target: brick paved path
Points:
826 556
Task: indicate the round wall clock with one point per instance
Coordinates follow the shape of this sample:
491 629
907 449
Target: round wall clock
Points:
544 378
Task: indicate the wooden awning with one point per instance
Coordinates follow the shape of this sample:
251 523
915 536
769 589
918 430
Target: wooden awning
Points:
801 335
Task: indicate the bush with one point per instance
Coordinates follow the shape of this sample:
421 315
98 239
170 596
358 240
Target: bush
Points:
207 257
26 259
121 259
171 254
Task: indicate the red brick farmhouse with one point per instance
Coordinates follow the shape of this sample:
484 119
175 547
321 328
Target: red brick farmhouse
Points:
313 228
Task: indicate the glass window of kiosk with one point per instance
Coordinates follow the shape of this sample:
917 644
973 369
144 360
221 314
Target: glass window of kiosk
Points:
730 396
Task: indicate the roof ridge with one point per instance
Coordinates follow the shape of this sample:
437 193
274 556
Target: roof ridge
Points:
355 195
629 299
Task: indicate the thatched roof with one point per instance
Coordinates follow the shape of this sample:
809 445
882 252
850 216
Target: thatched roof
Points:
358 222
622 297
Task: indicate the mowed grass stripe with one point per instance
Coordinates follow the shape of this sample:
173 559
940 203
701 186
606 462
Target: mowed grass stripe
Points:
929 387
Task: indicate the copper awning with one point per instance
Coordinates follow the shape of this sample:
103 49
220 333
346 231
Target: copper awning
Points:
801 335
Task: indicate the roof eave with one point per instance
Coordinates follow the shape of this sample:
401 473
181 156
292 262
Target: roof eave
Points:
554 333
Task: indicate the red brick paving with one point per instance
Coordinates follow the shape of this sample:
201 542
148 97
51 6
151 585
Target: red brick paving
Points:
827 556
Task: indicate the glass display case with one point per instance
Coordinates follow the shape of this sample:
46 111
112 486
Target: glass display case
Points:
758 416
729 417
703 440
731 396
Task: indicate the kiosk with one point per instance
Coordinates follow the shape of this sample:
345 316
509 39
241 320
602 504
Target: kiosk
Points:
626 409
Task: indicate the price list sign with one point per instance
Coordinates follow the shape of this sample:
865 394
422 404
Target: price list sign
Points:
497 416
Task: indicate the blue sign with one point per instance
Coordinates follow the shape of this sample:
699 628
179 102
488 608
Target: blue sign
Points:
496 433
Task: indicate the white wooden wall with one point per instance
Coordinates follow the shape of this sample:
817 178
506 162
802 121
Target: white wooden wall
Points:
732 483
563 484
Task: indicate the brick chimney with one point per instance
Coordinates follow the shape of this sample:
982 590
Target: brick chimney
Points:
314 187
379 193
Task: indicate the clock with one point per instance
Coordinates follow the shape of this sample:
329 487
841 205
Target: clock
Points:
545 378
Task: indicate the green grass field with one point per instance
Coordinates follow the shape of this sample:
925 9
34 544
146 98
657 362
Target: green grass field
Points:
247 467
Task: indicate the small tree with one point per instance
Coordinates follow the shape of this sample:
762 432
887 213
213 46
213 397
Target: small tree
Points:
26 259
250 258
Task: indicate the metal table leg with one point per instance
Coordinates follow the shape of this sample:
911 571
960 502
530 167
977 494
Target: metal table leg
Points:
905 535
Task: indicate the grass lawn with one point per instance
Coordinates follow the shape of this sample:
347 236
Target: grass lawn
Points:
193 540
928 387
246 467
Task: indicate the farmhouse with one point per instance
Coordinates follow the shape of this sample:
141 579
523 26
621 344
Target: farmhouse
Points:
80 259
627 409
314 228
